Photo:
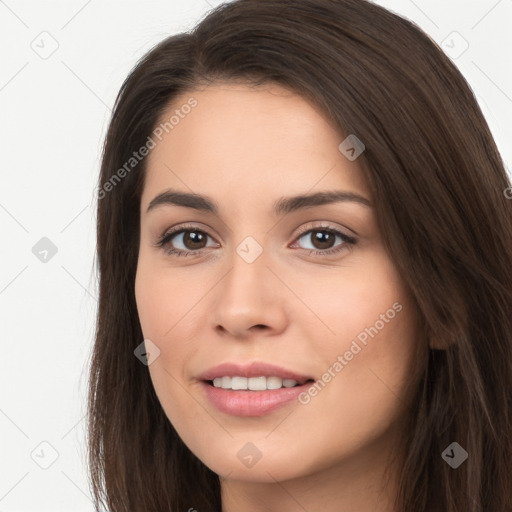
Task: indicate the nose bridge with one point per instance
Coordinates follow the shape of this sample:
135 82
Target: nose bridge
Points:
245 296
249 271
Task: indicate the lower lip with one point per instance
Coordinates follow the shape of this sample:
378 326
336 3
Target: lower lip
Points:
252 403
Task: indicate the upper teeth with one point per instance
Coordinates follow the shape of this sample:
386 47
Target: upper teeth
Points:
253 383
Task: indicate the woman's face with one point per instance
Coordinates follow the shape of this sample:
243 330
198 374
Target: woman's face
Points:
264 288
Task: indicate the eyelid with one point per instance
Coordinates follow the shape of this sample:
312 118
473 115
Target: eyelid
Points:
320 225
174 230
311 225
183 227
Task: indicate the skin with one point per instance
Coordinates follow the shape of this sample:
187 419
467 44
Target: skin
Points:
246 147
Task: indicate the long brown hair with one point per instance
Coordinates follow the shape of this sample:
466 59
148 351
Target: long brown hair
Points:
438 184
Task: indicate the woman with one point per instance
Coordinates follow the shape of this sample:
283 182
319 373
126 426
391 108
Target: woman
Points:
304 247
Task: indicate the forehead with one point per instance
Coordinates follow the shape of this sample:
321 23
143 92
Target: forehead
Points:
246 140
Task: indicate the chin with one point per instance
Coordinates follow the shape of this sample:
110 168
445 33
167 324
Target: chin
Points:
260 461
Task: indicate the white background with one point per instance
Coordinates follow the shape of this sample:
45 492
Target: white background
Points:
53 116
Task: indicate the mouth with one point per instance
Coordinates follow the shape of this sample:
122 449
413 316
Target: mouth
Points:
252 390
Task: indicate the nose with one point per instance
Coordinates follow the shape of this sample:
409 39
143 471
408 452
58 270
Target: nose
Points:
249 299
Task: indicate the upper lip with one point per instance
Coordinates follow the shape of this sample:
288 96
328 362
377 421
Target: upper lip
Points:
255 369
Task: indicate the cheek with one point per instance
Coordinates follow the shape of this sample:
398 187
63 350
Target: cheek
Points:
165 300
165 303
159 314
363 403
375 325
349 300
367 356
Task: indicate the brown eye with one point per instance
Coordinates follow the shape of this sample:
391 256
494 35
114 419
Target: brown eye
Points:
323 240
184 241
194 240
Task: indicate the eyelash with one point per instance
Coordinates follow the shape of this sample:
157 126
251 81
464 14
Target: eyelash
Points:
166 238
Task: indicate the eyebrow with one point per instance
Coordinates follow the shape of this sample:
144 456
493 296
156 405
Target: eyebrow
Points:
282 206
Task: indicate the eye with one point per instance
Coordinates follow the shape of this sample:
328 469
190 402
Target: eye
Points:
322 239
191 239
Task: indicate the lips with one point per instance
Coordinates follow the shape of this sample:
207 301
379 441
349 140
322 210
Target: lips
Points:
244 402
255 369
